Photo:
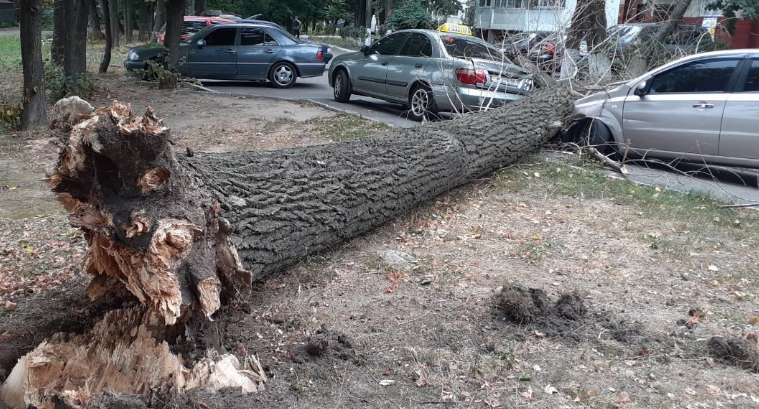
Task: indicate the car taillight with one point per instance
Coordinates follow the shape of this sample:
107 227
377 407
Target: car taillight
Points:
470 76
320 54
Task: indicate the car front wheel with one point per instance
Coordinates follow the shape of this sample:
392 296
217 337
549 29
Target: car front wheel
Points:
282 75
342 87
421 104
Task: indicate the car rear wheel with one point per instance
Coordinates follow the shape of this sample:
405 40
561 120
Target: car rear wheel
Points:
342 86
421 104
282 75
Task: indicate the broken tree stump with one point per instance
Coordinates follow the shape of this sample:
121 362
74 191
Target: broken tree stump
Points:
186 233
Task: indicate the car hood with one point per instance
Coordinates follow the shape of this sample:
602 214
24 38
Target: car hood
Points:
590 106
147 47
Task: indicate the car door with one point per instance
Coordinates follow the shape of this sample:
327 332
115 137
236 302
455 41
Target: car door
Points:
370 70
408 65
256 51
217 57
682 110
740 127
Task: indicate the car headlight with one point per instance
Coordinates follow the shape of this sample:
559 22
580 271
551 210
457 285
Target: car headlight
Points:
527 85
132 56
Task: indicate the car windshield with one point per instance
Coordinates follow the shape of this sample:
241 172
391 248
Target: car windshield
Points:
191 27
461 47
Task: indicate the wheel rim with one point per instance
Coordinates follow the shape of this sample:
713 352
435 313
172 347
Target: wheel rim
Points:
419 102
283 75
338 85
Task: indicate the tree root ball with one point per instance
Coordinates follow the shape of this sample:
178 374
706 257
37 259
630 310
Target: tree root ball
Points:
524 306
740 352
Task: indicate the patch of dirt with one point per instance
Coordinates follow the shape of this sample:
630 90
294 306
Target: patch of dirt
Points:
741 352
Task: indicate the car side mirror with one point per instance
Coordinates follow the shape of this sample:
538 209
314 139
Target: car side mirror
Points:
365 49
201 43
642 89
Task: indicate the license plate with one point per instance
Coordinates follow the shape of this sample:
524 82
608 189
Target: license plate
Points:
512 82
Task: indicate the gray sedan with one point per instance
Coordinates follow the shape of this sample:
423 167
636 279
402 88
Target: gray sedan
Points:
701 108
241 52
430 71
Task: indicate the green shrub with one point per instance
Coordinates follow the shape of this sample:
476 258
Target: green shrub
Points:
10 115
61 86
411 15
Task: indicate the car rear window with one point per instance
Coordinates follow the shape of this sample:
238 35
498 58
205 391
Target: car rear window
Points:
460 47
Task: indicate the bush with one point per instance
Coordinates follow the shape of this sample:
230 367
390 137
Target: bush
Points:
62 86
411 15
356 33
10 116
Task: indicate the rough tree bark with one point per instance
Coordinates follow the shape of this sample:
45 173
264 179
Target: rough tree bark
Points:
174 22
34 113
186 233
589 25
57 48
681 6
114 5
146 17
108 38
160 19
128 21
95 30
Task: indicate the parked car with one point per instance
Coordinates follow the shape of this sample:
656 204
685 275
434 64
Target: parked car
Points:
524 42
326 49
239 52
685 38
191 25
428 71
700 108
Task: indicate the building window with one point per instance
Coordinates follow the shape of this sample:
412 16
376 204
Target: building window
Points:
485 3
509 4
547 4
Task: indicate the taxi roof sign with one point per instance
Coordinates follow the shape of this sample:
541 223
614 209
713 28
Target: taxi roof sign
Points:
455 29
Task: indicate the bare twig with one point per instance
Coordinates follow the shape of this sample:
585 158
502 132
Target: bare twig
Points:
619 167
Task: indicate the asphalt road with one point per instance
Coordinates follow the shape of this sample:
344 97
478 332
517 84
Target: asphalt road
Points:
731 185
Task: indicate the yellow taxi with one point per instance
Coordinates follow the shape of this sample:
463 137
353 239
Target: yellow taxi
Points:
455 28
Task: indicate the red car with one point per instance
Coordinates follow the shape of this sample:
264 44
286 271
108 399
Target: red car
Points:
193 24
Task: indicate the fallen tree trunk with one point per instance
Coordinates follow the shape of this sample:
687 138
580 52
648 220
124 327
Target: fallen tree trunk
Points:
186 233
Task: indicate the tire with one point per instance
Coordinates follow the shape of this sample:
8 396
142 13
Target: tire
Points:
595 133
421 104
342 87
282 75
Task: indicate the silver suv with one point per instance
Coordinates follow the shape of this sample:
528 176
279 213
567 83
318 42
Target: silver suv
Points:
700 108
429 71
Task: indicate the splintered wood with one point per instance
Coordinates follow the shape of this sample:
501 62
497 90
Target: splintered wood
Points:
121 354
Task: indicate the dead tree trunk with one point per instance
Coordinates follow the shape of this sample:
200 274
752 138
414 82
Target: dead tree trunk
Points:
588 25
95 20
108 38
35 110
200 7
186 233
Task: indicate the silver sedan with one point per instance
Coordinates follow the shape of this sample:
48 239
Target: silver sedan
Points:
701 108
430 71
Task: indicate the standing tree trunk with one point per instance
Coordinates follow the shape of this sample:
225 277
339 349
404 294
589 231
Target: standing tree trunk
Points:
200 7
145 21
79 51
128 21
58 47
160 19
184 234
108 38
95 20
588 25
174 22
388 10
681 6
34 113
114 5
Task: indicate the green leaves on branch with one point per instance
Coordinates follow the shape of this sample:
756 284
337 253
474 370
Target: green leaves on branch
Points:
412 14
